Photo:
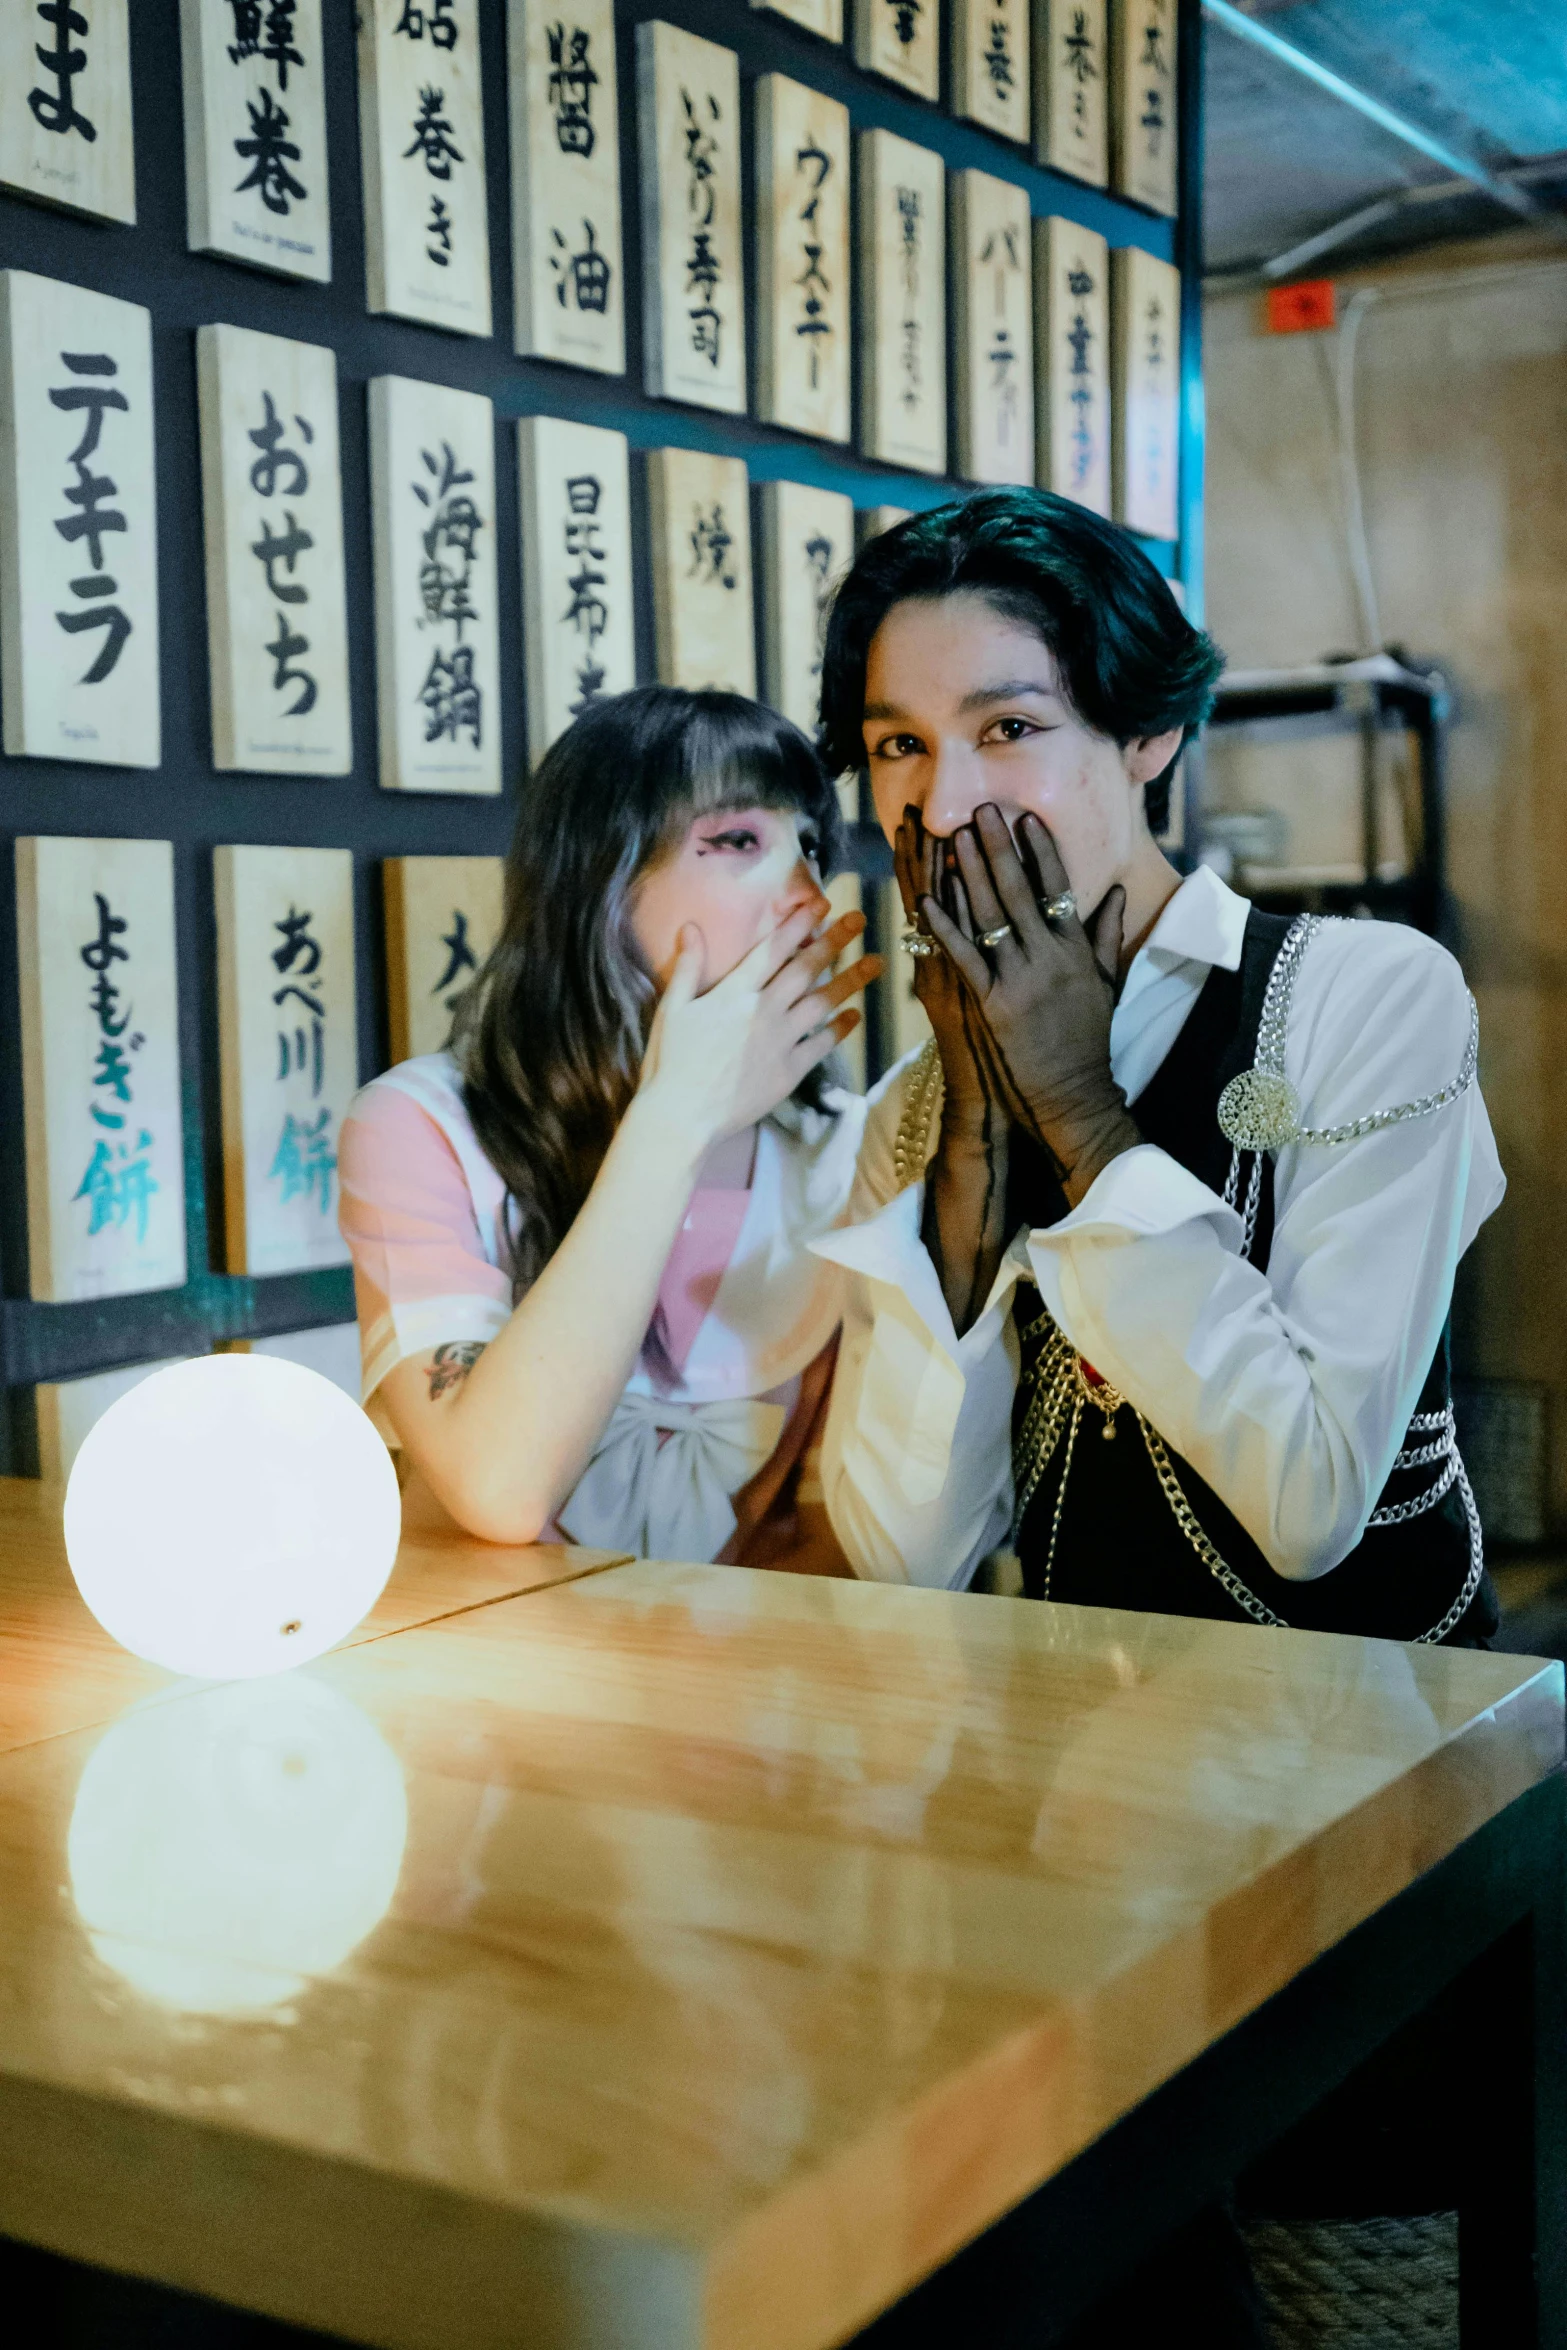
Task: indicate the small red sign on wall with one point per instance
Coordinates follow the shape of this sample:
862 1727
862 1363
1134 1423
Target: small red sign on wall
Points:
1302 309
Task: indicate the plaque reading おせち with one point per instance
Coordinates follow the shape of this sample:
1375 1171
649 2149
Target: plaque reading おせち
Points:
993 328
1072 342
578 629
65 105
565 177
903 312
443 915
421 135
693 281
100 1067
272 505
78 525
700 521
432 482
802 258
289 1056
255 135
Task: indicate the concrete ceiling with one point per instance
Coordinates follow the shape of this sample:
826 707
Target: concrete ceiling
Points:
1287 162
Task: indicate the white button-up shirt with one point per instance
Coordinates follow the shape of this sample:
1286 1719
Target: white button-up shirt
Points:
1288 1390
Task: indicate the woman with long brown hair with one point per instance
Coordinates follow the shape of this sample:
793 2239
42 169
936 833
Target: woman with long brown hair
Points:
587 1302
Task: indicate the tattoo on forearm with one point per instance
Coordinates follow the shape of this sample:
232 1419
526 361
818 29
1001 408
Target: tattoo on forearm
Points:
450 1365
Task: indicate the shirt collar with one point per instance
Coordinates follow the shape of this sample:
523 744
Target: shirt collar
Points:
1203 923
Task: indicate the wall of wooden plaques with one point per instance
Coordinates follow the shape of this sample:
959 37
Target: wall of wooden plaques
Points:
435 199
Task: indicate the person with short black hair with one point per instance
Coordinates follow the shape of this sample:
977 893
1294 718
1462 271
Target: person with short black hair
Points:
1229 1160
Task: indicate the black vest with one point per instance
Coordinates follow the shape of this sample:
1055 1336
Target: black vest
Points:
1118 1542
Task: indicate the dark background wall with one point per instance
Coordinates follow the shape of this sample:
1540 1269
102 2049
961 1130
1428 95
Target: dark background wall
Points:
184 800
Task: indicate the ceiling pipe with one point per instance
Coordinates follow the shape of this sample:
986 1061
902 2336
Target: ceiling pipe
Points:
1247 28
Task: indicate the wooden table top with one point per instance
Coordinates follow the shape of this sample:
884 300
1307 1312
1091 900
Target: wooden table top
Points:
675 1958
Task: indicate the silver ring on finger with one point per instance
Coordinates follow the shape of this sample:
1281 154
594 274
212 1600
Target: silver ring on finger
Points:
1061 909
917 943
993 938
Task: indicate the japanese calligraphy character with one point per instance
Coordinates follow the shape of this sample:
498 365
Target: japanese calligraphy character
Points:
305 1161
905 19
710 542
55 110
454 527
1077 49
571 86
270 155
451 697
118 1186
266 32
433 136
439 229
284 648
282 547
114 1072
435 18
461 956
583 277
93 519
587 611
266 437
998 57
701 156
100 954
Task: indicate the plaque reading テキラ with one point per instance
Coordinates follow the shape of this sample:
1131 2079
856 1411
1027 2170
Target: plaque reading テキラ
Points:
565 182
100 1067
78 525
993 328
432 489
992 64
1072 368
1146 319
1072 118
807 546
579 635
421 136
272 504
443 915
65 105
900 39
903 312
802 258
289 1056
255 134
1143 91
693 282
699 510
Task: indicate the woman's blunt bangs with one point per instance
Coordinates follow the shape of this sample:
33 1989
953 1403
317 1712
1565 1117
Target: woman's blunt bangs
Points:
740 754
1131 662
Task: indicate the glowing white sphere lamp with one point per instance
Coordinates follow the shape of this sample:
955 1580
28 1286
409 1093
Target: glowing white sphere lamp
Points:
230 1844
232 1516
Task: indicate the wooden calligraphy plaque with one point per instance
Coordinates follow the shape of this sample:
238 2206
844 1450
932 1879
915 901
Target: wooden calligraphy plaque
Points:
78 526
807 546
1146 319
802 259
904 1021
901 40
1072 71
565 184
100 1067
69 1410
822 17
65 105
903 311
846 895
255 136
1072 369
421 137
1143 101
993 328
272 504
443 915
579 633
699 512
871 521
992 64
432 487
289 1051
693 282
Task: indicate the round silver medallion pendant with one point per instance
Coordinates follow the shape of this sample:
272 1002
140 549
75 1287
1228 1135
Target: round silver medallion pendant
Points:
1259 1110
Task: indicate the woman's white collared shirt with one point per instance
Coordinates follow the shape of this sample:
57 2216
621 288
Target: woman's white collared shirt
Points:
1288 1391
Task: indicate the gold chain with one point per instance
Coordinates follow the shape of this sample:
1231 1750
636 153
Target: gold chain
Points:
922 1091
